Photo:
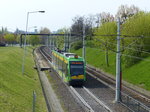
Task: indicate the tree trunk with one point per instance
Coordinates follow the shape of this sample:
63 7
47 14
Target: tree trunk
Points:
106 57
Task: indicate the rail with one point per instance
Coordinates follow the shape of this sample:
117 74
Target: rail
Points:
133 104
128 101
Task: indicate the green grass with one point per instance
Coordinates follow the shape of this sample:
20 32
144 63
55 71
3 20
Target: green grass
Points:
138 74
16 89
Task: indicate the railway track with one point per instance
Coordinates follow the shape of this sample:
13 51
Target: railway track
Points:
127 93
90 99
111 82
46 53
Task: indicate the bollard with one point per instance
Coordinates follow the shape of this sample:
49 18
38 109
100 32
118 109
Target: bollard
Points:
34 100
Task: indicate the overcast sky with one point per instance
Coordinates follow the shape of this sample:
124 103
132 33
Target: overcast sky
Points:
58 13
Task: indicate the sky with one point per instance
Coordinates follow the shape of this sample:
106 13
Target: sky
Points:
58 13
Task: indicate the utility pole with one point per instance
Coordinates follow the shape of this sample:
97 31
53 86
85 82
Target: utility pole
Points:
83 50
65 41
118 57
47 41
69 39
50 42
54 42
68 42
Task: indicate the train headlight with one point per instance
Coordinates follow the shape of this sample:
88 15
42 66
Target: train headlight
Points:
76 56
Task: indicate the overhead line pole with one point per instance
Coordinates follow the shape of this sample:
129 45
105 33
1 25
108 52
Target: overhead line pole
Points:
65 41
68 42
83 50
118 65
69 39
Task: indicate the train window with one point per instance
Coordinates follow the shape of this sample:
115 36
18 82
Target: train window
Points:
64 67
76 68
53 58
57 62
60 65
70 55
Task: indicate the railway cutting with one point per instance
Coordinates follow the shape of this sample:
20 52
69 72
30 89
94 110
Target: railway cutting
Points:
95 94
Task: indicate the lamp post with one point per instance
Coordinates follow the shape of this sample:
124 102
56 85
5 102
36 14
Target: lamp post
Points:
23 61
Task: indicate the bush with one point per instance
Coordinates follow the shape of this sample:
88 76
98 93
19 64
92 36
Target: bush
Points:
77 45
136 26
90 44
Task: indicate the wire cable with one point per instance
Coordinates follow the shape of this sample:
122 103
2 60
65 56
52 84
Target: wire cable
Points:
135 57
123 46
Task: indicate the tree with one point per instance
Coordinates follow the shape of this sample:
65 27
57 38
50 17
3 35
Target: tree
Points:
77 26
106 42
10 38
124 12
136 26
3 31
34 40
88 22
44 31
62 41
106 17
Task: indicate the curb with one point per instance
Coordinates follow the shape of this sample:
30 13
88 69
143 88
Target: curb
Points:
53 104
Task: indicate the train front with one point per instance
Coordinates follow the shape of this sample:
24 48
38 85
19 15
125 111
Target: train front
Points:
77 71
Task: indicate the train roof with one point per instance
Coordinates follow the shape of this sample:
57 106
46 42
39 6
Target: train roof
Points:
69 56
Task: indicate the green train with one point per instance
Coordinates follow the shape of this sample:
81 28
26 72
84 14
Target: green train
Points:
70 67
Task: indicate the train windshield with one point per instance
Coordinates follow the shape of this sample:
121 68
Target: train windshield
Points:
76 68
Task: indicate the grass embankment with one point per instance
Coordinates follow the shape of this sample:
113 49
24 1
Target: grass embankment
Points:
138 74
16 89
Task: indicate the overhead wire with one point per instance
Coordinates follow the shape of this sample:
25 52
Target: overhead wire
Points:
102 41
136 57
105 45
137 50
122 36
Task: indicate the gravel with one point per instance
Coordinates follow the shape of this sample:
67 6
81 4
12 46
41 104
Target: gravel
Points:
105 94
68 101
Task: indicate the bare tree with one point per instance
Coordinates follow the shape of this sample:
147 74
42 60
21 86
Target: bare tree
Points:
77 26
88 22
124 12
106 17
97 20
44 31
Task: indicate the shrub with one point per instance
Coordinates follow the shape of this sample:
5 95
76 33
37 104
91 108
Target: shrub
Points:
77 45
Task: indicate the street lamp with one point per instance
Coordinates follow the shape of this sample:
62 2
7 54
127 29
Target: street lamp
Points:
23 61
